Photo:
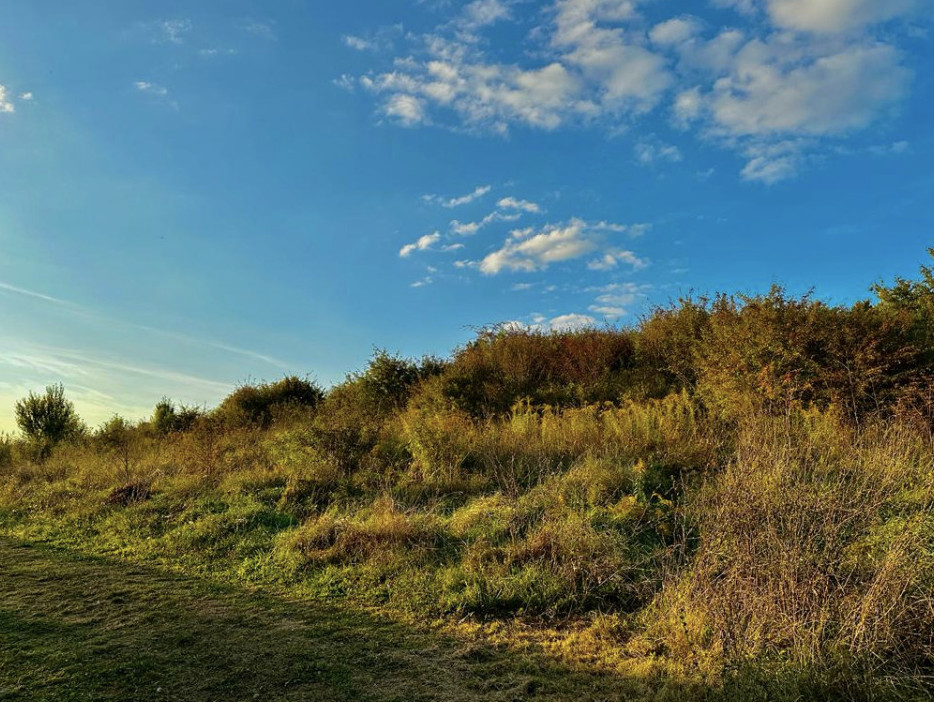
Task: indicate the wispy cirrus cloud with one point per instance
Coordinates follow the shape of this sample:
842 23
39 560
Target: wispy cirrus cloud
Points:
458 201
86 312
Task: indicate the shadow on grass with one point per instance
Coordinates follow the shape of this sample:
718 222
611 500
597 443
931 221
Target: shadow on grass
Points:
74 627
79 627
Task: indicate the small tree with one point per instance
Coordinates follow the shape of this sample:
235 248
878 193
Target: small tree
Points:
164 417
116 436
48 419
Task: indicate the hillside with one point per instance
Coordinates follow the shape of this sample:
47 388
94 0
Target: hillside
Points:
731 500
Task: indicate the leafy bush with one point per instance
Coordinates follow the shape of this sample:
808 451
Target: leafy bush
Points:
256 405
166 418
48 419
503 366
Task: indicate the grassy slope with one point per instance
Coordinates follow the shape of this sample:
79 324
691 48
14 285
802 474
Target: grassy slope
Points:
76 627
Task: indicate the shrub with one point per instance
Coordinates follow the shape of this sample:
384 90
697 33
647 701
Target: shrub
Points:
48 419
503 366
814 544
116 437
256 405
166 418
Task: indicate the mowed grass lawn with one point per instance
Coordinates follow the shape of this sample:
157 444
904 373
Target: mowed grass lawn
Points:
75 627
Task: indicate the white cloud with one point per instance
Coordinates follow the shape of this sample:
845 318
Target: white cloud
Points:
593 69
780 98
359 43
509 209
675 31
620 294
528 251
482 13
465 228
406 110
26 97
535 253
511 203
346 82
424 243
5 104
151 88
461 200
790 69
775 90
382 40
571 322
609 312
746 7
836 15
614 257
770 170
650 152
173 31
478 192
214 52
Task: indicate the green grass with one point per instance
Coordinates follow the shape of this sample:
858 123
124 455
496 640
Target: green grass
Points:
76 627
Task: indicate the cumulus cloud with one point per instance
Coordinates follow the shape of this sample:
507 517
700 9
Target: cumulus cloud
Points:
822 69
465 228
406 110
777 88
836 15
592 68
482 13
786 88
613 258
424 243
526 250
675 31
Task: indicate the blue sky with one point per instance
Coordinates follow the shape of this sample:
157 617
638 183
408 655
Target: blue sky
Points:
196 194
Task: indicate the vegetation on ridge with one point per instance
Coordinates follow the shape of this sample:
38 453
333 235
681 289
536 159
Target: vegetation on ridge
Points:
737 491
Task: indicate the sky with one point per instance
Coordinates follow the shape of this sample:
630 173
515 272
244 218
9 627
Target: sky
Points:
195 195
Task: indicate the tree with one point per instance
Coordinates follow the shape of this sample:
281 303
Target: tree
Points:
48 419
